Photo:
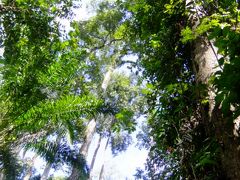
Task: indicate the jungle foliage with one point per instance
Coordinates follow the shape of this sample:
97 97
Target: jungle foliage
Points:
187 141
52 84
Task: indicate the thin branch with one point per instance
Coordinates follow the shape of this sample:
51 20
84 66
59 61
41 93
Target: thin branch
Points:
4 8
104 44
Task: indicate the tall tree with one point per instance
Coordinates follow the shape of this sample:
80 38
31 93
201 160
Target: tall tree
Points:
101 36
192 106
40 72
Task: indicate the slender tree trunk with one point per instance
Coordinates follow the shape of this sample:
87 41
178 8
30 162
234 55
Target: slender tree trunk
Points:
89 135
91 129
107 78
30 168
84 148
49 165
102 169
104 87
46 171
101 173
95 155
1 176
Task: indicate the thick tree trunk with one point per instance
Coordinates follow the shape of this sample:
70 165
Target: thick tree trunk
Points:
205 62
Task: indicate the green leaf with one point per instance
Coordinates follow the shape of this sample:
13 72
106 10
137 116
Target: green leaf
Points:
225 107
187 35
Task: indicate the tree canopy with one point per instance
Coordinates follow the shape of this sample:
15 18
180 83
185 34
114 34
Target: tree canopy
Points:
59 87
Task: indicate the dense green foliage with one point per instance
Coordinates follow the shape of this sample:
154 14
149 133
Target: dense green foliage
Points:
53 83
186 142
38 89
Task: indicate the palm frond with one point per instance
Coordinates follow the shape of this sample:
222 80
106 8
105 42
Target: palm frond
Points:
10 166
58 154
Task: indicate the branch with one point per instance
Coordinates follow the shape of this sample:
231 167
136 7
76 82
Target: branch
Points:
4 8
104 44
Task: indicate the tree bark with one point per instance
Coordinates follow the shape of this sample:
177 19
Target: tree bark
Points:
30 168
84 148
107 79
101 173
2 176
49 165
95 155
91 129
46 171
102 169
205 62
89 135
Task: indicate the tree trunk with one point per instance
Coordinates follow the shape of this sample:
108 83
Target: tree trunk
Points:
1 176
107 79
102 169
30 168
49 165
101 173
84 148
91 129
46 171
95 155
205 62
89 135
205 65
